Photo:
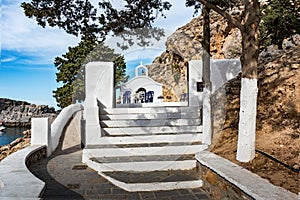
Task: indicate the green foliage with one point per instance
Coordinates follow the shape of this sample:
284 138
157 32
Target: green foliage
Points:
132 20
120 71
280 19
74 17
224 4
71 69
81 17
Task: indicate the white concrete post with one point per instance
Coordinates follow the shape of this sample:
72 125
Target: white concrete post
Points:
194 75
247 120
40 131
99 83
200 98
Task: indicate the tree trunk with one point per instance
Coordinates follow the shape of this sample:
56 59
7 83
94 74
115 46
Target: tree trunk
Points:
248 96
207 115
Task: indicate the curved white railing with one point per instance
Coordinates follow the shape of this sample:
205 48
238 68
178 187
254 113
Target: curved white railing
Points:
16 181
59 124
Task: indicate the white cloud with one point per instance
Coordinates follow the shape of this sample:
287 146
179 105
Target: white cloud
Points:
52 69
143 53
10 59
23 35
135 51
178 16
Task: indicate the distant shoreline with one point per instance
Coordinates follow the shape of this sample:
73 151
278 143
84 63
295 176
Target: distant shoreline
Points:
14 113
9 134
15 145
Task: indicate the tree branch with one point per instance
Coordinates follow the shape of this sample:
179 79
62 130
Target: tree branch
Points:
224 14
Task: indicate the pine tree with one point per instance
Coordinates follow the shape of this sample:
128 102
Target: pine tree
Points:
280 20
71 69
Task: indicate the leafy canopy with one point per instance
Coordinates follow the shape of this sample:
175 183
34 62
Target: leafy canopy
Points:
80 17
224 4
280 19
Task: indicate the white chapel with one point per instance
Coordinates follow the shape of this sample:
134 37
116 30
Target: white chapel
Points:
141 89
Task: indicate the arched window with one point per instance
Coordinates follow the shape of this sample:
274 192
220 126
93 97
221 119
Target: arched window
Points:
141 95
127 97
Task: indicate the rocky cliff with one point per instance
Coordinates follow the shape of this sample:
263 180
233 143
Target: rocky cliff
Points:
185 44
19 113
5 103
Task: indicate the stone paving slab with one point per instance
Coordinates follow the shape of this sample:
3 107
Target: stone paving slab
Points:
67 178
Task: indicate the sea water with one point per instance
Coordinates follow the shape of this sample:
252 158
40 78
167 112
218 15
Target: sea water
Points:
10 134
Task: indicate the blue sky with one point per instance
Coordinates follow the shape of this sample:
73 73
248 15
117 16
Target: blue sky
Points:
28 52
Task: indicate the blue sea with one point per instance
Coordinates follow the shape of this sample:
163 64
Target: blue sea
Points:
10 134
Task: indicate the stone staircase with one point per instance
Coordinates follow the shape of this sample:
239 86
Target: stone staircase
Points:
146 149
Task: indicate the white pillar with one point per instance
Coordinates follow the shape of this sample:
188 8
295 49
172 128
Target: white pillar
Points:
99 83
40 131
247 120
201 99
194 76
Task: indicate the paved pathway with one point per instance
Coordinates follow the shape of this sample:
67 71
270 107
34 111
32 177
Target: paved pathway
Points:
67 178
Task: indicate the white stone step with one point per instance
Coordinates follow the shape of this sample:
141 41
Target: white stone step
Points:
153 186
153 105
151 130
197 137
142 151
149 110
145 166
175 115
149 122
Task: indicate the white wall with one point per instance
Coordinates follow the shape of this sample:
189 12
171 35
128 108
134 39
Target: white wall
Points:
99 85
194 76
43 134
143 82
223 70
40 131
59 124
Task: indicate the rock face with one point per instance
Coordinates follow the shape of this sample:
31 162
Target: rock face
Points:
5 103
185 44
19 113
